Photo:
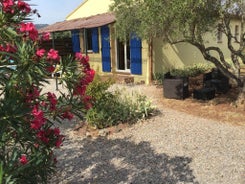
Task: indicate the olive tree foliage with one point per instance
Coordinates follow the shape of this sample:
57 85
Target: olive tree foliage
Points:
188 21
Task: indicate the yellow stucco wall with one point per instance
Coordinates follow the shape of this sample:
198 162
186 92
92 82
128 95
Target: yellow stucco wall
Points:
89 8
168 56
145 64
212 41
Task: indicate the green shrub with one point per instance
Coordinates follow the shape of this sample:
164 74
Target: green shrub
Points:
111 107
98 88
191 70
158 77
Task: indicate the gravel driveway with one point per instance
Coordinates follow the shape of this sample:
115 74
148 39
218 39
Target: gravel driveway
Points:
170 148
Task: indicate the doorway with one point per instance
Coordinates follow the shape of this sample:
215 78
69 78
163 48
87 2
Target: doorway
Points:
123 56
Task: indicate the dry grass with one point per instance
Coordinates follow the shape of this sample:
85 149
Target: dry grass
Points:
222 108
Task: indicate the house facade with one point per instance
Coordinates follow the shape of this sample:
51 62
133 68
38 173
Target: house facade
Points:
108 56
93 34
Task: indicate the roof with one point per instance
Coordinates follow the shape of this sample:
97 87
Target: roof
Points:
80 23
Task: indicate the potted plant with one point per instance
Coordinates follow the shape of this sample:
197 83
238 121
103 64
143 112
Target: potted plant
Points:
179 83
175 85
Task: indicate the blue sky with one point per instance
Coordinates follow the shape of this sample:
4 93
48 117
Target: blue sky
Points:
52 11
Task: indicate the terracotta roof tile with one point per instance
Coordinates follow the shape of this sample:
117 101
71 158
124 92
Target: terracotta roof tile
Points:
87 22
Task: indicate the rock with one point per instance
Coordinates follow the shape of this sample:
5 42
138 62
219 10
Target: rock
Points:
88 135
103 132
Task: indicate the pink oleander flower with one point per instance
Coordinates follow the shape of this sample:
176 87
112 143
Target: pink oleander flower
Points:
36 112
83 59
59 141
67 115
32 94
87 101
43 136
45 36
26 27
79 56
40 53
8 48
86 59
8 6
50 69
53 55
24 7
30 30
56 131
90 75
80 90
38 118
53 101
23 160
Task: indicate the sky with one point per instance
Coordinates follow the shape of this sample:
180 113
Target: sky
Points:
52 11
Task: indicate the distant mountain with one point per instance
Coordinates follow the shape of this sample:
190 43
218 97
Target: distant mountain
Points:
39 26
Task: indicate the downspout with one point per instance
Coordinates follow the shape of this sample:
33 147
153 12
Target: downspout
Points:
150 61
85 41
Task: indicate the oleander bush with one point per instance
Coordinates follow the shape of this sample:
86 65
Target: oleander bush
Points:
28 132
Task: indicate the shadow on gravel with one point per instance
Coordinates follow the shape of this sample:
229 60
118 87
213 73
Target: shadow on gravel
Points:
106 161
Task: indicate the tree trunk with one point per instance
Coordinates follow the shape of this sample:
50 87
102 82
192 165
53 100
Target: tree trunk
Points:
240 102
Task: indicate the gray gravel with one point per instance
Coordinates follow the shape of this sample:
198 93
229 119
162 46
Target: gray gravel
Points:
170 148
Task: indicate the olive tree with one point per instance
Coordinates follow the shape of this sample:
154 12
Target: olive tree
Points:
187 21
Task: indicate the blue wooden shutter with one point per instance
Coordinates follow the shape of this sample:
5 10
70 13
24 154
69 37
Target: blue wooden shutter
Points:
136 55
95 42
75 41
106 49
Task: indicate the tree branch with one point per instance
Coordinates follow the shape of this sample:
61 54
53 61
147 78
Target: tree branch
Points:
218 63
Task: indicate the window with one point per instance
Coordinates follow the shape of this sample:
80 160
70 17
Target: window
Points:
123 56
91 38
129 56
236 32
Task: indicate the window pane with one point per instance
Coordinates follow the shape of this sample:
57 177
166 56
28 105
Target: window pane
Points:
89 39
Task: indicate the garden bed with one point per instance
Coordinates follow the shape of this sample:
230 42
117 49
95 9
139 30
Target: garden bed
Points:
221 109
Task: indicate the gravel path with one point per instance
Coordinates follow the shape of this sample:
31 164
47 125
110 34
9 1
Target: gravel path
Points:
171 148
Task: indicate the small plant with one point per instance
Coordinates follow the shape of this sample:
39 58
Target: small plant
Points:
111 107
158 77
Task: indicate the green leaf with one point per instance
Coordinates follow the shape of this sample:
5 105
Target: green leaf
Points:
1 172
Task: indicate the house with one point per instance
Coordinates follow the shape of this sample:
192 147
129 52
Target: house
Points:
93 33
